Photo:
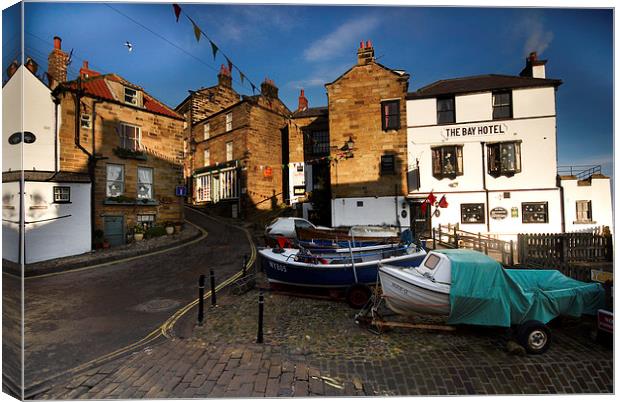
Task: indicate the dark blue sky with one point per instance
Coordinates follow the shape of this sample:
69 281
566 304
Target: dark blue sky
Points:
308 46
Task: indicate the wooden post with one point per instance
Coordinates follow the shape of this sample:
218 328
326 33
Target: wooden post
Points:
439 237
512 253
456 239
479 242
434 240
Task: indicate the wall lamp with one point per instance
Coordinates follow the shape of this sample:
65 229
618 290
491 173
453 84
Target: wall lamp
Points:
348 147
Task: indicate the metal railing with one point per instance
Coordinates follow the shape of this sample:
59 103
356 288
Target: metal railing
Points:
579 171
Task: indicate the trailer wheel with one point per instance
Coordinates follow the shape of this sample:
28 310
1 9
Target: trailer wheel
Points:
358 295
534 336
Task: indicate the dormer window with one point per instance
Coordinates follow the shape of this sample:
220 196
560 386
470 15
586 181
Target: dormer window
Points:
131 96
502 105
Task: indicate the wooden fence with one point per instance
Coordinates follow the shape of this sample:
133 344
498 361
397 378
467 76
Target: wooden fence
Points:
451 236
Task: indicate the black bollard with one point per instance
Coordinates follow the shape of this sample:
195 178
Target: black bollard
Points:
213 299
261 304
245 262
201 301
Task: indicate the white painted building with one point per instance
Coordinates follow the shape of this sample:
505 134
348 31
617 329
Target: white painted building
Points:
50 217
488 144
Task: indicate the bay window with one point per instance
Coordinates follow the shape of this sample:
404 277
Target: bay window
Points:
504 158
447 161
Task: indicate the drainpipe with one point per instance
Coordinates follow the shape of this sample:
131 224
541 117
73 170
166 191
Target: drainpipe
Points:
56 101
484 187
94 165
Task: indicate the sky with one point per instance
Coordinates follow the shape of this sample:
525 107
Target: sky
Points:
309 46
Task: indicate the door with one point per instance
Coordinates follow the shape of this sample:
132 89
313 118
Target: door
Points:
113 230
420 221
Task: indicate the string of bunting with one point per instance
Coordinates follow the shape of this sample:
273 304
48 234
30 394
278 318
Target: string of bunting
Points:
198 33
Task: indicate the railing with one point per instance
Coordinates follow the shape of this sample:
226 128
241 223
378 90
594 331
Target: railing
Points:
579 171
451 236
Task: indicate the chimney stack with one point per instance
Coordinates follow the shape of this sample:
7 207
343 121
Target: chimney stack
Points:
32 65
303 102
57 64
534 68
12 69
365 53
86 72
269 89
224 77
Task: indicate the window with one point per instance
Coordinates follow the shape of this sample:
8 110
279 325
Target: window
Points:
217 186
445 110
131 137
432 261
145 183
390 115
584 211
207 157
388 164
62 194
203 188
206 131
301 224
534 212
504 158
447 161
502 105
131 96
85 120
317 143
229 151
229 122
360 203
115 180
147 221
472 213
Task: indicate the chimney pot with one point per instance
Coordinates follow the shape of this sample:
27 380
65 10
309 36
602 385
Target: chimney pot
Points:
303 102
361 44
533 56
85 64
57 42
368 44
32 65
12 68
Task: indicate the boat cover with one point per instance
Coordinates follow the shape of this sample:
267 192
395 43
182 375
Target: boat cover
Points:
484 293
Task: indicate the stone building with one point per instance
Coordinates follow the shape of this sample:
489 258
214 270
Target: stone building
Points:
236 148
128 142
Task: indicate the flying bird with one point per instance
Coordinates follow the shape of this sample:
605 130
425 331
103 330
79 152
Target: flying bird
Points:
129 46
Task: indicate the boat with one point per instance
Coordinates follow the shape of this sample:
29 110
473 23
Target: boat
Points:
472 288
296 267
340 238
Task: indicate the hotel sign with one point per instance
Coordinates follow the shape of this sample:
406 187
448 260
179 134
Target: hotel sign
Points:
485 129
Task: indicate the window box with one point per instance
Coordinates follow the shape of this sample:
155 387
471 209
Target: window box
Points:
126 153
123 200
447 161
504 158
390 115
472 213
535 212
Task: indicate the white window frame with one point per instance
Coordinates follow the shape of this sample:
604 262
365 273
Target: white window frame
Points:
147 220
139 183
121 182
135 143
62 194
131 99
206 157
229 151
206 131
229 118
86 120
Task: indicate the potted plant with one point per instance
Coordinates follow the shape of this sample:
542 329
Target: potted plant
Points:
98 239
138 232
169 227
105 244
178 226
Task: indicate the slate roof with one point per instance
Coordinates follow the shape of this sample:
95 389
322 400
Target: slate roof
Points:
97 87
480 83
312 112
36 175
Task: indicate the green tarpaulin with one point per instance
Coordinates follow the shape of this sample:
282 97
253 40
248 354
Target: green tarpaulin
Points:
484 293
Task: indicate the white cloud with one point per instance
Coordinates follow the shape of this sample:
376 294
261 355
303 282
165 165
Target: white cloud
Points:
345 36
537 38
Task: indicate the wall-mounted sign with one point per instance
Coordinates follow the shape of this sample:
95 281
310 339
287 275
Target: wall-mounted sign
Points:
180 191
267 172
498 213
514 212
486 129
299 190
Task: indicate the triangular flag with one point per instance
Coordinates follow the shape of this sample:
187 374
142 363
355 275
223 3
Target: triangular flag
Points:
214 48
443 203
431 198
230 65
197 31
177 10
241 76
423 208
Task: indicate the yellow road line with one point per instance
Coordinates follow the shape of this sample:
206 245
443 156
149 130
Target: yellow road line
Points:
166 328
202 237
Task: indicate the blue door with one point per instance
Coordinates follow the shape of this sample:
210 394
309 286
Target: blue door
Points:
113 230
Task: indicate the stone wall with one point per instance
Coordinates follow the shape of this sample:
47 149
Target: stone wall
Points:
355 112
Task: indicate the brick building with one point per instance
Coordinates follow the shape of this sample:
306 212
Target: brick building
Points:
236 150
367 143
129 143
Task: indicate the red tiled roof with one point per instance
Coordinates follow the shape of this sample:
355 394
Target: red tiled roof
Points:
97 87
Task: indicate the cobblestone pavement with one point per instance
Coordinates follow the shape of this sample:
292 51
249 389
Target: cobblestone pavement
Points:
314 347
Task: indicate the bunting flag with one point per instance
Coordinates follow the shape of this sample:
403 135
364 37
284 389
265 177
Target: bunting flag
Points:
443 203
177 11
423 208
197 31
431 198
230 65
214 48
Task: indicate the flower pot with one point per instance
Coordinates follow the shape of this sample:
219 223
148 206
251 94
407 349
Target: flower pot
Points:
105 245
169 230
138 236
177 228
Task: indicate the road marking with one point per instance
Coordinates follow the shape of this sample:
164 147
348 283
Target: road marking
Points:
203 235
166 328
